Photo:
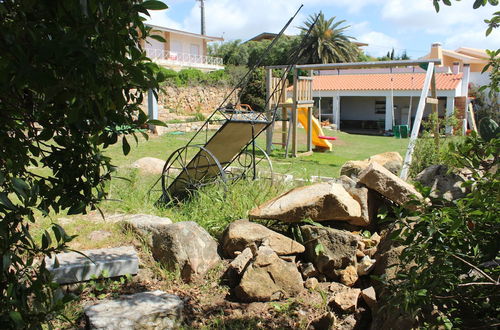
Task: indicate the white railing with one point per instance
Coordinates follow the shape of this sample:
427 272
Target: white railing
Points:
183 59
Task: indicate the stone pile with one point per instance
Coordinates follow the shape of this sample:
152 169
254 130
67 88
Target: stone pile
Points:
341 244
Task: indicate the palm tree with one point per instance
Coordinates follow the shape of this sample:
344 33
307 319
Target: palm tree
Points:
327 42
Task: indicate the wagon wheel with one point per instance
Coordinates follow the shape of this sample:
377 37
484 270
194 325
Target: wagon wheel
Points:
183 173
245 162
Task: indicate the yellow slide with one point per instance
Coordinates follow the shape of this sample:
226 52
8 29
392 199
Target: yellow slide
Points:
316 132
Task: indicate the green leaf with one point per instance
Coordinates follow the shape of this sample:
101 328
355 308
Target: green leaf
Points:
5 201
318 249
17 318
156 122
154 5
447 2
125 146
20 186
157 37
478 3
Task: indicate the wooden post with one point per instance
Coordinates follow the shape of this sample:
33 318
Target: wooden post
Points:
417 122
471 117
294 111
269 115
308 83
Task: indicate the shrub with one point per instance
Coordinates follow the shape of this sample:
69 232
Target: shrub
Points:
191 76
67 91
171 76
453 248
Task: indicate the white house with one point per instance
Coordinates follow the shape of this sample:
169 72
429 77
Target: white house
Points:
182 50
362 99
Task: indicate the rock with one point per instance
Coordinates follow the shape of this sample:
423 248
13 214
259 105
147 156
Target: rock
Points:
370 297
443 184
378 178
98 235
145 225
187 247
325 321
308 270
311 283
352 168
337 248
390 160
243 233
344 298
369 202
149 165
370 252
388 263
348 276
74 267
145 310
241 261
269 278
365 266
319 202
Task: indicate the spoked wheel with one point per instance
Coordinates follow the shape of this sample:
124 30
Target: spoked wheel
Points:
253 164
184 173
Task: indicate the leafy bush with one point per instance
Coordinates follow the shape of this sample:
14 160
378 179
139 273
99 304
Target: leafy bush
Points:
67 91
171 76
191 76
454 248
254 93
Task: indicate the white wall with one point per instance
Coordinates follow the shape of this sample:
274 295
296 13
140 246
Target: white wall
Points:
359 108
479 79
185 43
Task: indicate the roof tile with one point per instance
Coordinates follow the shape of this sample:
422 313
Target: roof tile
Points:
402 81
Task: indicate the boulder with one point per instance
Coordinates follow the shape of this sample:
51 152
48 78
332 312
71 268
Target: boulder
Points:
145 225
238 265
319 202
330 249
380 179
187 247
308 270
149 165
268 278
145 310
443 183
390 160
311 283
352 168
243 233
348 276
365 265
370 297
344 298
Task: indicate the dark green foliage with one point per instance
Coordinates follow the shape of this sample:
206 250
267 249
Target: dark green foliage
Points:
254 92
451 248
488 128
194 77
327 42
72 77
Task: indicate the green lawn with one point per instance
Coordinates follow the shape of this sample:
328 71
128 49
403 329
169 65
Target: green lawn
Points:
347 147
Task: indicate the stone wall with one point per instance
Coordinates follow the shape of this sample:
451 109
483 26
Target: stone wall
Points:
189 100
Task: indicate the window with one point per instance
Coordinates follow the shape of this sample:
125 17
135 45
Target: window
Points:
380 107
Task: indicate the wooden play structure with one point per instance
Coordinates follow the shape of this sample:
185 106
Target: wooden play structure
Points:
302 101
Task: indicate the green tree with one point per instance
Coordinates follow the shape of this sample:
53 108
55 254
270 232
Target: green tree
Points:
72 78
232 52
327 42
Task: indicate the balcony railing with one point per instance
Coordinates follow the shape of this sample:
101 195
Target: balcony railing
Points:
183 59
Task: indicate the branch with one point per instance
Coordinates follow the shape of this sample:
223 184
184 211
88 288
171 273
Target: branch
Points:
476 268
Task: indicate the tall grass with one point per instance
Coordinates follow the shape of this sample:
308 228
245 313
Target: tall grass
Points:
212 207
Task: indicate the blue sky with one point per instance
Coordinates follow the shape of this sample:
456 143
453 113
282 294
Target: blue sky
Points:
410 25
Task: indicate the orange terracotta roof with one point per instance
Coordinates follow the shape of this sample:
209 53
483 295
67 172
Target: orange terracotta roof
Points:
402 81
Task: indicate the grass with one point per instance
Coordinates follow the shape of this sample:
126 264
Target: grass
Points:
347 147
213 207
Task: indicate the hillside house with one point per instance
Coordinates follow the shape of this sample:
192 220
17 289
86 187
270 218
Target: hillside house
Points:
182 50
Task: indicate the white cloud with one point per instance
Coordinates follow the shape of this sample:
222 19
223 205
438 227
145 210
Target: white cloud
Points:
379 43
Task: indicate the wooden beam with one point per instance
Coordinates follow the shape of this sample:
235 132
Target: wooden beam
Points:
294 112
417 122
309 115
359 65
269 115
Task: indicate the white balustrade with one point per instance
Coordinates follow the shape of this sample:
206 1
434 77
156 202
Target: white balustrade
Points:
183 59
